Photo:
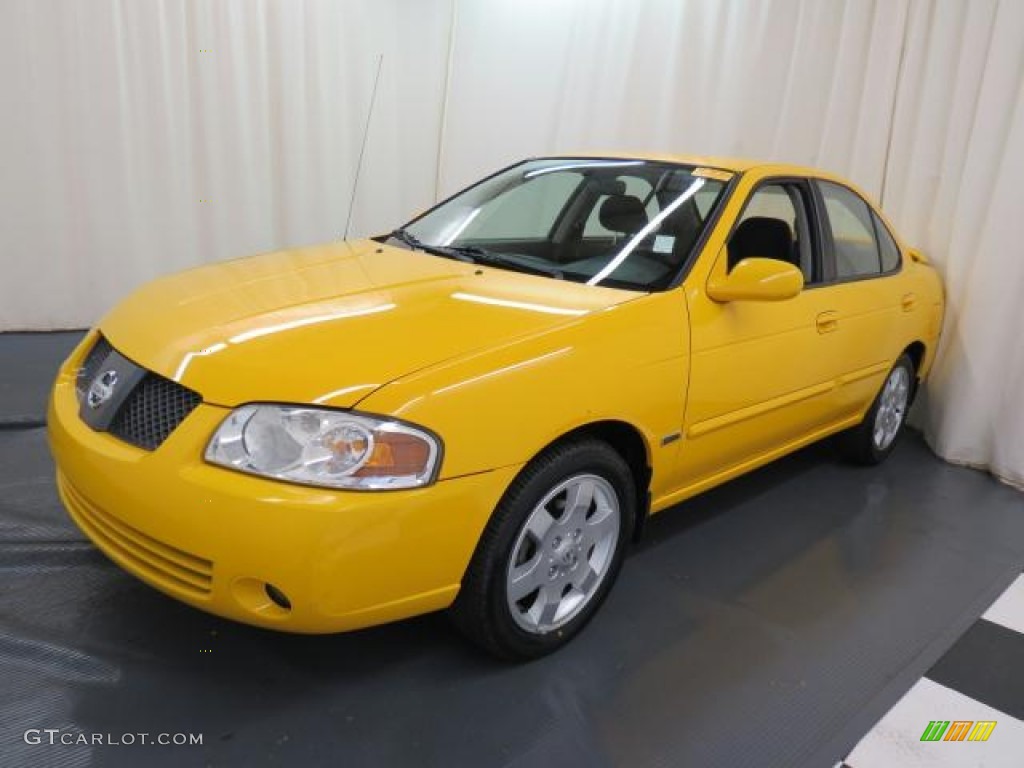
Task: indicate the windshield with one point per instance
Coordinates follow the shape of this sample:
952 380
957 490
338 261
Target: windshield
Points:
620 223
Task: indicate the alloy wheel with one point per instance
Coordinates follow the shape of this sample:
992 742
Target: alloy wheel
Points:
892 407
563 553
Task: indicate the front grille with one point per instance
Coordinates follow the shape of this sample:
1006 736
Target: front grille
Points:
152 411
167 566
91 364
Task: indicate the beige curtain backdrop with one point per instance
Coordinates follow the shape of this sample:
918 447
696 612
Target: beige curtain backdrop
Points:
142 137
953 184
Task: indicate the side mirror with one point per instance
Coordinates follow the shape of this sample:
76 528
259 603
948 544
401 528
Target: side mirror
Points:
758 280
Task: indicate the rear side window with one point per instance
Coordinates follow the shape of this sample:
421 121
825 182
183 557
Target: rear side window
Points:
853 232
886 245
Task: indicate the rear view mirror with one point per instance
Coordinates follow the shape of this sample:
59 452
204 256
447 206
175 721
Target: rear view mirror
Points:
757 280
605 186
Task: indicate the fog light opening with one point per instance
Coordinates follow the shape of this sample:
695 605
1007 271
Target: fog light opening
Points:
277 597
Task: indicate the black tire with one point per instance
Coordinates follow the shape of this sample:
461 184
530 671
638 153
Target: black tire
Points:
858 444
482 610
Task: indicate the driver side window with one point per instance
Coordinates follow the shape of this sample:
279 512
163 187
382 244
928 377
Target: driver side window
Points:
774 225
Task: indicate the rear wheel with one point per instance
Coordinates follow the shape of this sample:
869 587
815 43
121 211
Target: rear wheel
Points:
550 553
871 441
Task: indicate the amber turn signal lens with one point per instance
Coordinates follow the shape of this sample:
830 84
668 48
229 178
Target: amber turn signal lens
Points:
396 454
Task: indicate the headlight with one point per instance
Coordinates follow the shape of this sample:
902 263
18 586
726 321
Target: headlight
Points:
317 446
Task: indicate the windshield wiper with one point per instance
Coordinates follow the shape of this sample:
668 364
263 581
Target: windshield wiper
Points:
497 260
459 254
405 237
475 255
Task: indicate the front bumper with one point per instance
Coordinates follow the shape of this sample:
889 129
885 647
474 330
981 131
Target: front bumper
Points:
215 538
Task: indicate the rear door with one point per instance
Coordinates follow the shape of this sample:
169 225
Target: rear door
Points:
863 285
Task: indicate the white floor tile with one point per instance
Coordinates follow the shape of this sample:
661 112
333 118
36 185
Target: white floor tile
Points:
1008 610
895 741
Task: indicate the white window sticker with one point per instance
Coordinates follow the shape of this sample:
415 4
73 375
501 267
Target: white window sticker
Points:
664 243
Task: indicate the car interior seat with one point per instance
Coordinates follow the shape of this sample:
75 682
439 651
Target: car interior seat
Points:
761 237
623 214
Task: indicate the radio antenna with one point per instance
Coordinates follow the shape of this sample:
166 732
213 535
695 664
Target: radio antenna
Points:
362 149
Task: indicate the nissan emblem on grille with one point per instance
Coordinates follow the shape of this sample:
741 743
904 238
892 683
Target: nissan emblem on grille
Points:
101 389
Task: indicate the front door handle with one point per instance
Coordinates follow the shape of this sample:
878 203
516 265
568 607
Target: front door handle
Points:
908 302
827 321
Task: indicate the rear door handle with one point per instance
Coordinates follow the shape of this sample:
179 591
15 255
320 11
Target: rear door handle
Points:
908 302
827 321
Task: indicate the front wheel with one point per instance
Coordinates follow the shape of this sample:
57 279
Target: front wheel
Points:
871 441
550 553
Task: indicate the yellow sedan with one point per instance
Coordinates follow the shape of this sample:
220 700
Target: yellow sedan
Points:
478 411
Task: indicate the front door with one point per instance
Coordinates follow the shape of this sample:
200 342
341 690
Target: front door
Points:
762 374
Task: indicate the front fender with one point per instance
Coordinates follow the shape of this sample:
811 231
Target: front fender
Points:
502 406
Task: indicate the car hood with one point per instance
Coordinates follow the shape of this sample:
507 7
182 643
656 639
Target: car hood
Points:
330 324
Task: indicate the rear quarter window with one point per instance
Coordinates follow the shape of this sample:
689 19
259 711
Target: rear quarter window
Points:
886 245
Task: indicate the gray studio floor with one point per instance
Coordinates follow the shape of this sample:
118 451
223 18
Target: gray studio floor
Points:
768 623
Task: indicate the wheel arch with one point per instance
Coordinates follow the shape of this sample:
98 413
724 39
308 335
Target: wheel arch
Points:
916 351
630 443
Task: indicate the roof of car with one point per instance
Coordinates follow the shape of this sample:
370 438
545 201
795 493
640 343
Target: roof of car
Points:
734 164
